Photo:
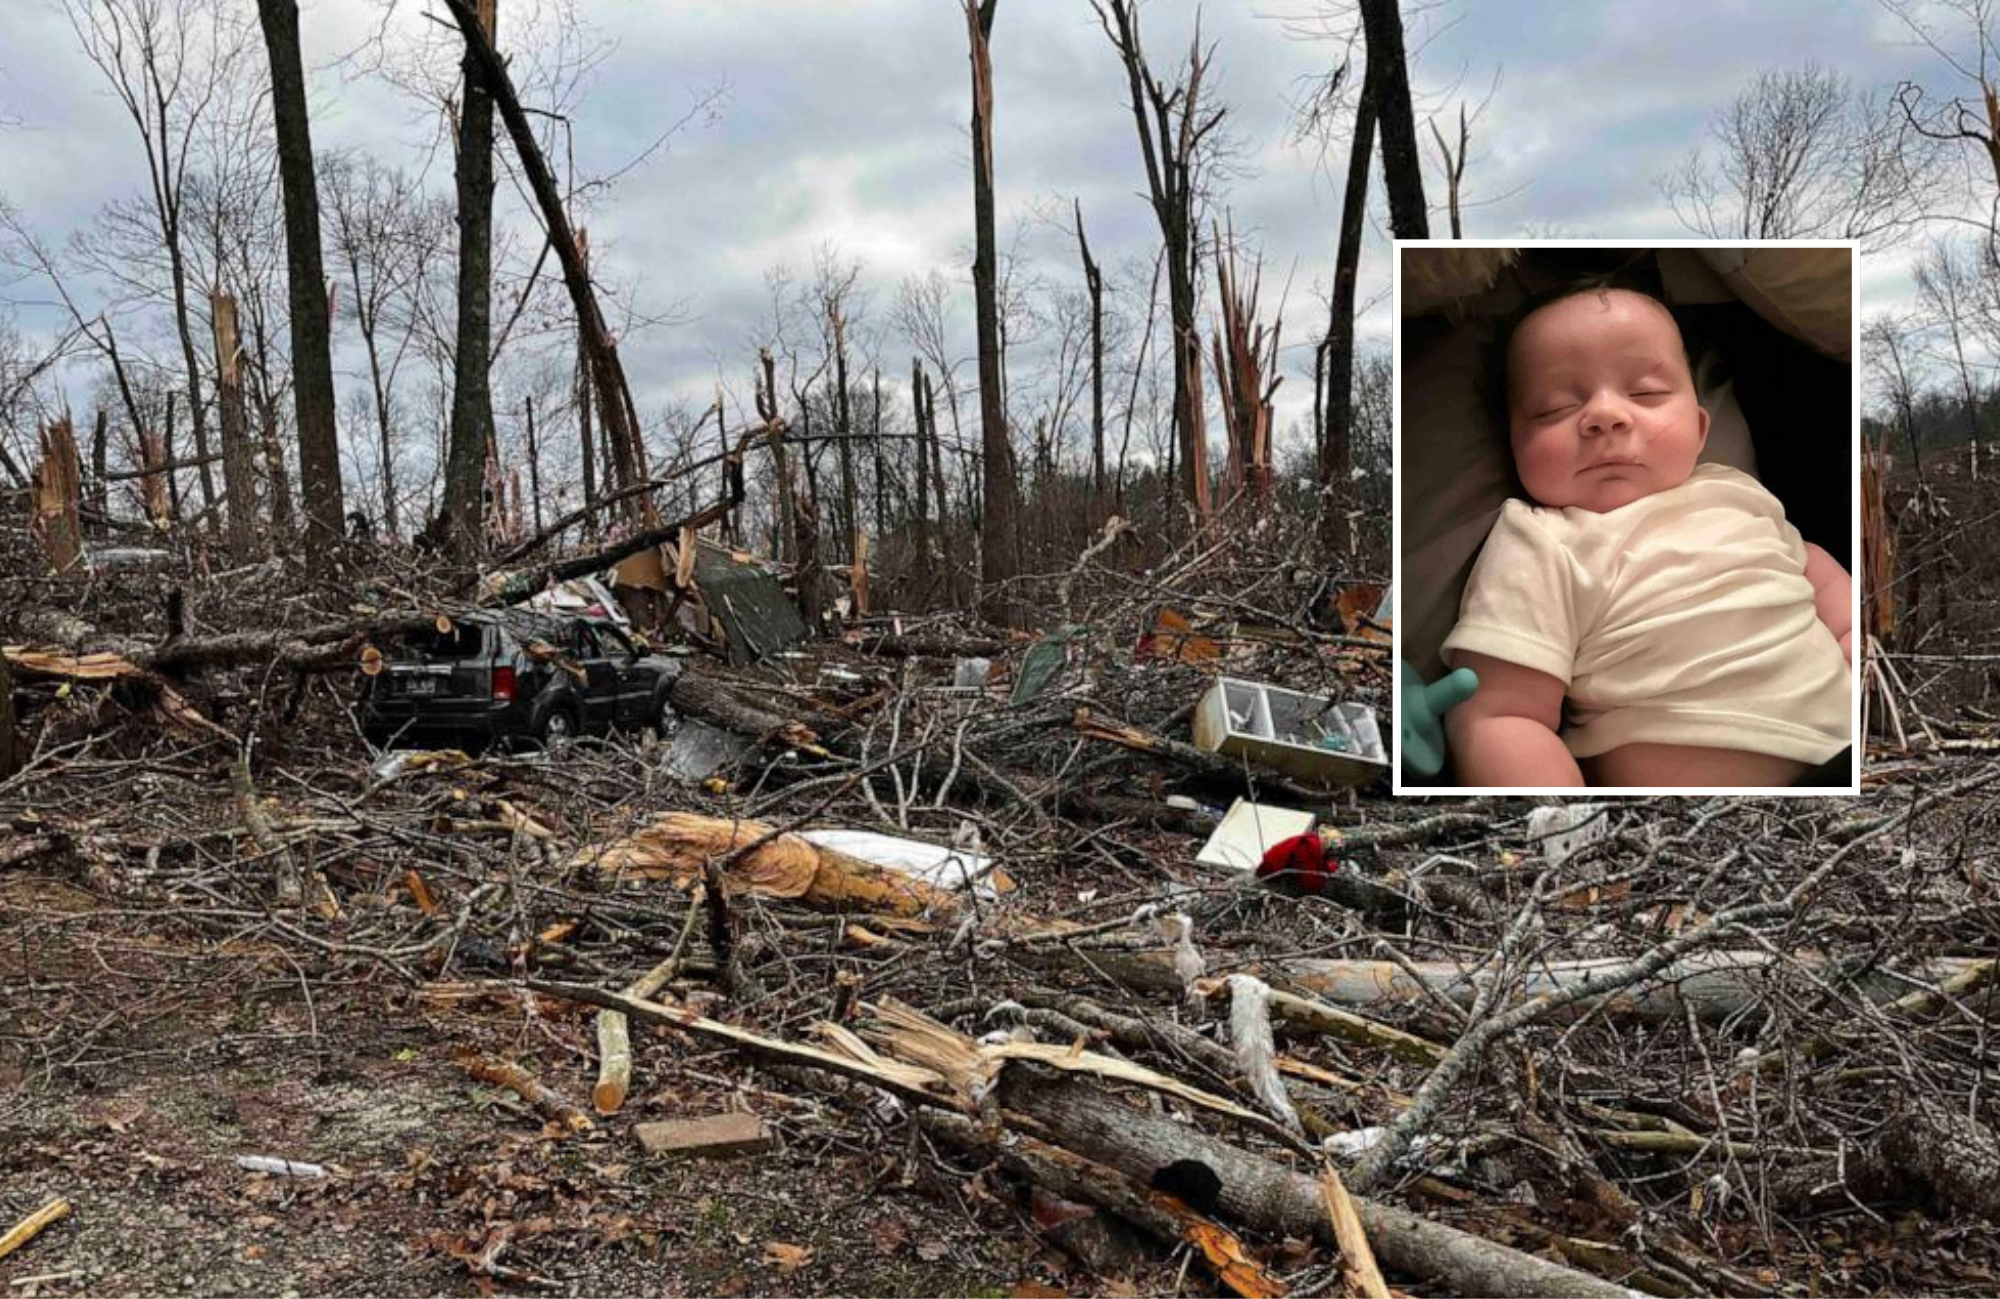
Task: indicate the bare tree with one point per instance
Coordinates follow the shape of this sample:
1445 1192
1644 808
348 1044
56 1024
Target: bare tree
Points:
312 350
1175 127
1798 154
1454 167
1949 288
166 62
384 235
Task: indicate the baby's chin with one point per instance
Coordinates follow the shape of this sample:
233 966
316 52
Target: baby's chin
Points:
1604 496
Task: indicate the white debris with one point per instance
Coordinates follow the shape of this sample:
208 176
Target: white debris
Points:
1563 830
278 1167
1256 1053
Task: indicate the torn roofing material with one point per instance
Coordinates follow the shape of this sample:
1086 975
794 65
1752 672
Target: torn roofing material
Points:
745 603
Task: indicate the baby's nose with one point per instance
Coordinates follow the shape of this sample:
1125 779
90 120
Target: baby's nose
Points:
1604 415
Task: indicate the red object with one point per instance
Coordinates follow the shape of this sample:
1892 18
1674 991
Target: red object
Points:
503 684
1300 864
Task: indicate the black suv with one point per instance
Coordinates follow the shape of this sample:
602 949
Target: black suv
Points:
507 677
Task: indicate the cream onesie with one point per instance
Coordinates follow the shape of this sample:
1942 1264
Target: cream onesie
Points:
1681 618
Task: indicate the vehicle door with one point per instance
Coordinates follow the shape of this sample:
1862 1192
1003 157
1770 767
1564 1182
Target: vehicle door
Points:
599 692
635 682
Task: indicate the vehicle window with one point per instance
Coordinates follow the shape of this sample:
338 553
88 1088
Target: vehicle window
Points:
465 640
585 639
614 642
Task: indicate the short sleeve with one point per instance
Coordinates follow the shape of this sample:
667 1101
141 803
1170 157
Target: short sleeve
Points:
1520 603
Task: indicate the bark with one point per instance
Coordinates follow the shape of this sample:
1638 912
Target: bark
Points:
1216 1178
1402 166
462 516
312 354
614 400
999 548
1336 448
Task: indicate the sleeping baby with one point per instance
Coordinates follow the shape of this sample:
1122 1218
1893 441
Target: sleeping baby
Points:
1645 620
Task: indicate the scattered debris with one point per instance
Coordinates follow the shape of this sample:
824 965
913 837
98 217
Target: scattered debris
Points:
716 1136
1307 737
278 1167
1250 830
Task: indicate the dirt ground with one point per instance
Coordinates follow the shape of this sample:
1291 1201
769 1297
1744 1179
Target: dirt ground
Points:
133 1074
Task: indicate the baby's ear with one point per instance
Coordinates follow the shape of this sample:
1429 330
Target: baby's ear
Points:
1702 440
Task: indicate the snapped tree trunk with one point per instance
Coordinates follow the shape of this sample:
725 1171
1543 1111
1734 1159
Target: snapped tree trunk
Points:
312 353
1093 282
1389 75
1172 125
462 517
614 401
239 474
999 540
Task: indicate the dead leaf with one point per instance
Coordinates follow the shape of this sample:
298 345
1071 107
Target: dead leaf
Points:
789 1258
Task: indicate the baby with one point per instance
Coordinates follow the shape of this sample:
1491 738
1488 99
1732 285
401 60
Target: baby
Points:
1646 621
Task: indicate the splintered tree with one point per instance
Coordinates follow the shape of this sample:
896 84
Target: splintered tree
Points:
312 354
1246 372
999 526
461 519
1174 125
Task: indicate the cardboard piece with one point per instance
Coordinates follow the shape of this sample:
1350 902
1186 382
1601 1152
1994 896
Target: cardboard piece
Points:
1248 831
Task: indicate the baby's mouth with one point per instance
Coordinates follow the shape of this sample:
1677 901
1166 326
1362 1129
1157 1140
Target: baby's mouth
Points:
1612 462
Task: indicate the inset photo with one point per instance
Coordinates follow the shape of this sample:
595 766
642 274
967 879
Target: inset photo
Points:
1627 518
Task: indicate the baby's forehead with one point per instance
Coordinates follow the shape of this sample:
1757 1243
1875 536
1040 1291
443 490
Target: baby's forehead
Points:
1560 315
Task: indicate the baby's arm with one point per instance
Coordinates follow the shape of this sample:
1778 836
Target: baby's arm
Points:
1506 734
1833 597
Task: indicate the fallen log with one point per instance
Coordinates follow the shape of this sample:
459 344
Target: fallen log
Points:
1264 1196
676 846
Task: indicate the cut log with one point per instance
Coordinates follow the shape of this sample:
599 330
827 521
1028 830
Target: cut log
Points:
1264 1196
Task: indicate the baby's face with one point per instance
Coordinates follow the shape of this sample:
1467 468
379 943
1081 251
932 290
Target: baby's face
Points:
1601 405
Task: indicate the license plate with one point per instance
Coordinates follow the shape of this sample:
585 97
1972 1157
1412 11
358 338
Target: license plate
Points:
420 686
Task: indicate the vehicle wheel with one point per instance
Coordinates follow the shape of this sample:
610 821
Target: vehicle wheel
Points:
558 728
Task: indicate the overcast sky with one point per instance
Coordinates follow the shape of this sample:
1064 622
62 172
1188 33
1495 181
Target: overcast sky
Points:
841 123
